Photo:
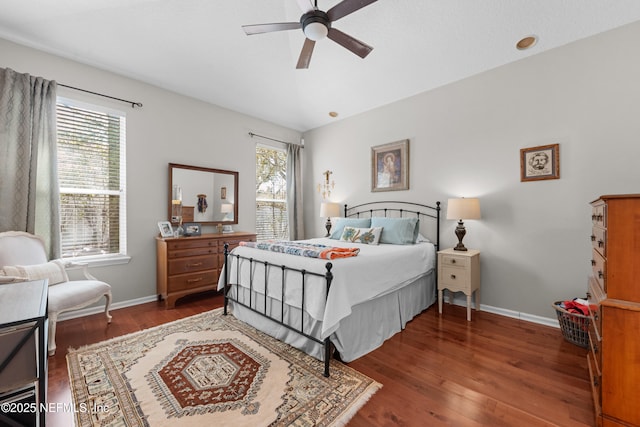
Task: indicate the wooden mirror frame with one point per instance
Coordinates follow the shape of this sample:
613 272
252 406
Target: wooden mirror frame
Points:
217 193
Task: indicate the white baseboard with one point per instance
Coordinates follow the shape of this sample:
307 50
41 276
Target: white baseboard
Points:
461 302
100 309
553 322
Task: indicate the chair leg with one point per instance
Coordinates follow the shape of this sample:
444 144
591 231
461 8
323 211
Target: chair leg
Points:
53 319
106 307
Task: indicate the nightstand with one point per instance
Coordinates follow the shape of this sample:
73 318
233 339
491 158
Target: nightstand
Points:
459 271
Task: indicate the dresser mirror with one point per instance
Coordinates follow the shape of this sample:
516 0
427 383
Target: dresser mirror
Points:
202 195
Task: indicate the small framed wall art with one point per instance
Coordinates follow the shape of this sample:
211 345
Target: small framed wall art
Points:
537 163
165 229
390 166
192 229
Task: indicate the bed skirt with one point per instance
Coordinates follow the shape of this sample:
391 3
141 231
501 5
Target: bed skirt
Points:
365 329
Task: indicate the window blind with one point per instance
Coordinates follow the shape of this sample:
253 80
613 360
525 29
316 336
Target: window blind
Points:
271 193
91 172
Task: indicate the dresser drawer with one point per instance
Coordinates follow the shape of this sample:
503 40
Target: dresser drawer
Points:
595 347
599 240
233 244
599 214
455 278
454 261
187 253
191 264
194 280
599 268
190 243
595 295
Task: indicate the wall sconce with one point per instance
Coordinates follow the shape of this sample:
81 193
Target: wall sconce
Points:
327 210
462 209
326 187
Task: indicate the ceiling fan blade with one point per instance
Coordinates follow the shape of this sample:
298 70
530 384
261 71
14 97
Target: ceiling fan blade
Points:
305 55
306 5
354 45
268 28
346 7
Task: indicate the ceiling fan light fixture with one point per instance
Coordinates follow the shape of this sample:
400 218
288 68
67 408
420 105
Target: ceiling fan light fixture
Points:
315 25
316 31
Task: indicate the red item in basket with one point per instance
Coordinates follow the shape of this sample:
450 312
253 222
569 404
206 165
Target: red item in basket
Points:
576 307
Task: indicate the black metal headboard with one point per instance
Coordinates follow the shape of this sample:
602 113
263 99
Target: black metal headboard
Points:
400 209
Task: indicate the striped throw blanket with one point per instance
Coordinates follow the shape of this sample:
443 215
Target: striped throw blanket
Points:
311 250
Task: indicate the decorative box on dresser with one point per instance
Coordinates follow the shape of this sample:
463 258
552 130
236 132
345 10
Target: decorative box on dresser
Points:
188 265
614 298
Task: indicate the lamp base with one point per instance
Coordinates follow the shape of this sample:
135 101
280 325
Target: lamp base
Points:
460 232
327 225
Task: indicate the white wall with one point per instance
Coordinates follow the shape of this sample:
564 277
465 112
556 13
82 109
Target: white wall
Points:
170 128
465 140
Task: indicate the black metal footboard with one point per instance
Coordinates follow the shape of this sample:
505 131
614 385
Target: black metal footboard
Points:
252 305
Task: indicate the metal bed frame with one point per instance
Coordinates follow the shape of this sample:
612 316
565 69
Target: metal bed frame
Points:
303 274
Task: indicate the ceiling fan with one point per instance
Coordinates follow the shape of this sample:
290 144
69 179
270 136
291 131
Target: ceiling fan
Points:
316 25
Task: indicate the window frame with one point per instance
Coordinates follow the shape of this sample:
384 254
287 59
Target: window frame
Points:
282 148
112 258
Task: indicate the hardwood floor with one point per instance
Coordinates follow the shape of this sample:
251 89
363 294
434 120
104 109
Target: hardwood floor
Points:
440 371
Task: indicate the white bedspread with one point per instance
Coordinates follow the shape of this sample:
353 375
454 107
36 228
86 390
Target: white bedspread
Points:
375 271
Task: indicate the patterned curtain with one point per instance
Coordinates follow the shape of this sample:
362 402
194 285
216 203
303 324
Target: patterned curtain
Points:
294 192
29 195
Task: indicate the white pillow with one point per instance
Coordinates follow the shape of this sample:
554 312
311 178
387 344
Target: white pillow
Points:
368 236
53 270
422 239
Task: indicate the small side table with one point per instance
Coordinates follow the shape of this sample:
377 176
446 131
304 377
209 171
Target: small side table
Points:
459 271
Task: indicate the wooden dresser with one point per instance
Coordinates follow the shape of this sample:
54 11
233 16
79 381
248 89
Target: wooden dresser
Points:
188 265
614 298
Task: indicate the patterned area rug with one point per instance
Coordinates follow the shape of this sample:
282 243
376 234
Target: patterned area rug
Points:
209 369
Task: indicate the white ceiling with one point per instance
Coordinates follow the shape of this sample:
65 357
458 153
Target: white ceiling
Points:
198 48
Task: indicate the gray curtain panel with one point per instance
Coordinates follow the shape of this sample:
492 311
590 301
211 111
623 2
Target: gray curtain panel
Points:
294 192
29 194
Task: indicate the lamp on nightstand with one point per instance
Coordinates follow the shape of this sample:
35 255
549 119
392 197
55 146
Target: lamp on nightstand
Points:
327 210
462 209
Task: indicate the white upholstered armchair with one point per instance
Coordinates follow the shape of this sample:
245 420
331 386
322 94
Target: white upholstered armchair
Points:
23 257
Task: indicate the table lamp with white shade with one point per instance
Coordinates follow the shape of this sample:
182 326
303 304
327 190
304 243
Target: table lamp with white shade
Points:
462 209
327 210
226 209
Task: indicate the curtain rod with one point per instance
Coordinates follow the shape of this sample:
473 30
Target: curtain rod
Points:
133 103
251 134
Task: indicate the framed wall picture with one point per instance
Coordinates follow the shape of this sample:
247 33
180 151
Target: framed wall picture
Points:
165 229
192 229
541 162
390 166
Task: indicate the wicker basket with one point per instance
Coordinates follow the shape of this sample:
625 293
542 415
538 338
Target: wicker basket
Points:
574 326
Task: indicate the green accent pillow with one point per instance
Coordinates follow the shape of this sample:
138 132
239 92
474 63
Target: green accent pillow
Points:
340 223
397 231
368 236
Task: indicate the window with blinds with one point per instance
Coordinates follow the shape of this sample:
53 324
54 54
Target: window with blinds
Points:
91 173
271 193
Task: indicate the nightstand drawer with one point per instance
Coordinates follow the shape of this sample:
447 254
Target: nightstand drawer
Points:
455 261
455 278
